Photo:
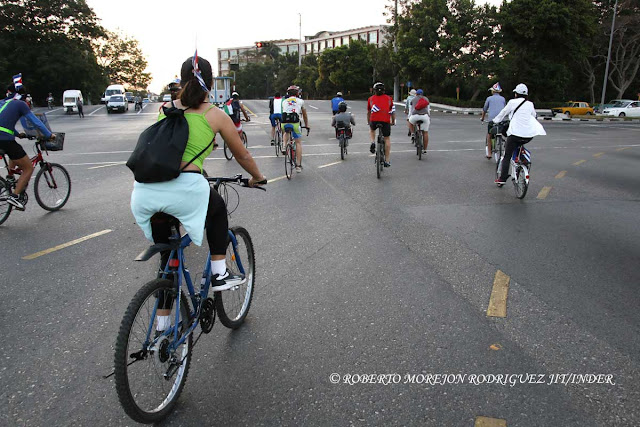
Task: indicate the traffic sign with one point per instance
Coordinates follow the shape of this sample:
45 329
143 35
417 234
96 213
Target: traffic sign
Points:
408 84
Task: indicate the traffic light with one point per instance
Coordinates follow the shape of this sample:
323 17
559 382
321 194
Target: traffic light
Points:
259 45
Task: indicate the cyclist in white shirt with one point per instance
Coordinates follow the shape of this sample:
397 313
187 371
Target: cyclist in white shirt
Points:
275 112
292 107
522 128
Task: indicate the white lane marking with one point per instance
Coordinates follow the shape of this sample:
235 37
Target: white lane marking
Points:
329 164
96 110
315 108
106 166
276 179
54 110
141 110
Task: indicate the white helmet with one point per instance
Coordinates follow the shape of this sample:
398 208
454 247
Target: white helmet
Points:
521 89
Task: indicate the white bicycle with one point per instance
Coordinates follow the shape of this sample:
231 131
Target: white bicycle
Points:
519 168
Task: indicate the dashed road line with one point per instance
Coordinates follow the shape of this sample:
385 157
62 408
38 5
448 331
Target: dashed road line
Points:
329 164
598 155
561 174
498 300
316 108
106 166
579 162
490 422
276 179
544 193
622 148
95 111
66 245
247 108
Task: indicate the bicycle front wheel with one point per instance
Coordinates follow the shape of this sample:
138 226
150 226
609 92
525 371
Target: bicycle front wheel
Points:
497 153
5 207
520 184
149 372
52 186
233 305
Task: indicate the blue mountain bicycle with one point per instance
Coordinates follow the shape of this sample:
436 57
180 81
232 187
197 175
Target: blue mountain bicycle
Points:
151 366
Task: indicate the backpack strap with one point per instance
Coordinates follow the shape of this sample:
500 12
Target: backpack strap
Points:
198 155
517 108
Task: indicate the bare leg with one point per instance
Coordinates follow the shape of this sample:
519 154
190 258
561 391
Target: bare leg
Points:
425 137
488 145
298 152
387 148
27 170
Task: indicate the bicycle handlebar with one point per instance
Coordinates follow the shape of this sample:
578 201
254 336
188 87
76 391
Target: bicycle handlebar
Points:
237 179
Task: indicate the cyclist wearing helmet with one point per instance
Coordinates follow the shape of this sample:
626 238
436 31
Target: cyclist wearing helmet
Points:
343 119
275 113
237 107
522 128
292 106
381 111
407 109
12 109
421 111
174 88
335 102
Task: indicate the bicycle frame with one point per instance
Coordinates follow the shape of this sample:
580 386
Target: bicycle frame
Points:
181 273
34 161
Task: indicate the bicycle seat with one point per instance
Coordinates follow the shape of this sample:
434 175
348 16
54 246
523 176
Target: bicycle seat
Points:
174 244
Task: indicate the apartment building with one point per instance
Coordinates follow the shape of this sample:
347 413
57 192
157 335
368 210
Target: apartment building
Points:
232 57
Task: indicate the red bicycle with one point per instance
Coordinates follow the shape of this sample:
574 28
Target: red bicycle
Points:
52 185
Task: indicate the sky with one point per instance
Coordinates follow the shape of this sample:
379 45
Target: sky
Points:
168 31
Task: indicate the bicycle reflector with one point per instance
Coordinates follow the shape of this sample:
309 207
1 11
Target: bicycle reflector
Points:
174 263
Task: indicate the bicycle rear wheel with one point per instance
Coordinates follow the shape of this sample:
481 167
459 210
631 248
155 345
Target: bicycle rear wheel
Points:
52 186
227 152
278 143
5 207
497 152
244 139
149 376
419 144
233 305
520 184
288 161
379 156
343 147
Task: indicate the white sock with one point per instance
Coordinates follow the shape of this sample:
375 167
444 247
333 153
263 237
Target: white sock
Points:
163 323
218 267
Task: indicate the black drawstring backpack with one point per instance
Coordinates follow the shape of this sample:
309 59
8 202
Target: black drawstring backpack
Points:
160 147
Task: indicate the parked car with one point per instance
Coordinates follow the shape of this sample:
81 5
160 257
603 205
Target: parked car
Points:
574 108
625 109
613 103
130 97
117 103
145 100
166 98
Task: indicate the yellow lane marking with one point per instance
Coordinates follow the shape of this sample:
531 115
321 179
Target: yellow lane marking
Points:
579 162
622 148
247 108
490 422
561 174
498 301
106 166
65 245
276 179
329 164
544 192
598 154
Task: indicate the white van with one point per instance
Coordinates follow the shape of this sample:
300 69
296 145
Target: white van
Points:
112 90
70 100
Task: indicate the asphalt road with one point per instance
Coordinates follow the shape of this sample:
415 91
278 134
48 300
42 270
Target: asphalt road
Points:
355 276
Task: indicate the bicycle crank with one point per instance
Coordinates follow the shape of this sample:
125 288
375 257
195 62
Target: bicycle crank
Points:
207 315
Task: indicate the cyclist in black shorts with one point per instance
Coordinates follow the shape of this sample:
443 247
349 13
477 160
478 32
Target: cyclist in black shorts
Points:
12 108
380 110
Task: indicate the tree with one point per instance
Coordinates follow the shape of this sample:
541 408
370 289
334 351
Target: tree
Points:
49 42
122 60
625 53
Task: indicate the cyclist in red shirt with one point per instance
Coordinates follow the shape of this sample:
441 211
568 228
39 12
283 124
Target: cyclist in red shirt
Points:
380 110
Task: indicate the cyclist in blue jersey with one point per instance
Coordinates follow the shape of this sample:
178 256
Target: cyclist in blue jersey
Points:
12 108
492 106
335 102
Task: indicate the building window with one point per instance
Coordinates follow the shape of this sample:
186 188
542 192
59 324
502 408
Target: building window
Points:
315 47
345 40
373 37
354 37
293 48
363 37
337 42
309 49
224 54
224 65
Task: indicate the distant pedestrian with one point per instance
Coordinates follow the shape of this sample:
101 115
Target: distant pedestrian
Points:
79 105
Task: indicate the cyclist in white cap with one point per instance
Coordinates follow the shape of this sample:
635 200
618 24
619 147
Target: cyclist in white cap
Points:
492 106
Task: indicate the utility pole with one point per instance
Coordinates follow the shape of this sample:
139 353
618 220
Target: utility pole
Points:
396 78
606 70
300 44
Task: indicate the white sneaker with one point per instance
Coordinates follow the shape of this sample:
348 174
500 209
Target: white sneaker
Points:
298 169
226 281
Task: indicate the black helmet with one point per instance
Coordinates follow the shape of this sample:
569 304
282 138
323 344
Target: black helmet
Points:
342 107
293 90
379 87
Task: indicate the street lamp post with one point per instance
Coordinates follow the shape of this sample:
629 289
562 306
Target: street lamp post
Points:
396 78
300 44
606 70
